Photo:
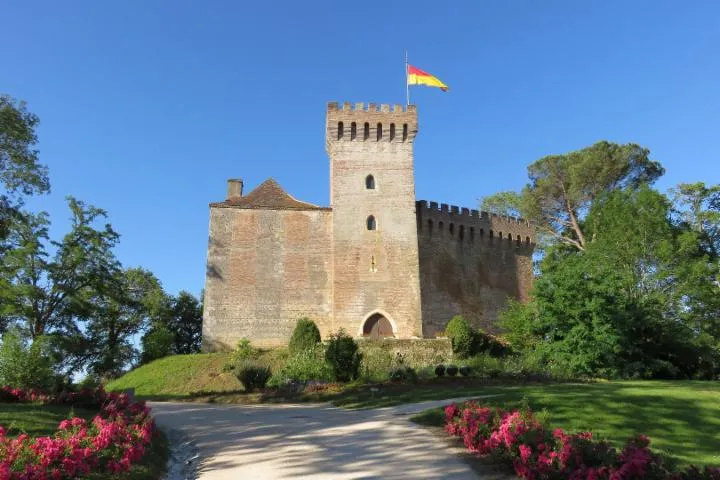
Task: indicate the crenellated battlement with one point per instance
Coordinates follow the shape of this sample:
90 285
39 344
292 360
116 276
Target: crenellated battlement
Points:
473 226
371 122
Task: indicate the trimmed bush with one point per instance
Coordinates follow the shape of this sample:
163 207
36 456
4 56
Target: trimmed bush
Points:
306 335
252 374
440 370
452 370
461 335
404 374
343 356
465 370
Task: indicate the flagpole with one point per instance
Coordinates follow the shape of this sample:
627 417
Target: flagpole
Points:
407 85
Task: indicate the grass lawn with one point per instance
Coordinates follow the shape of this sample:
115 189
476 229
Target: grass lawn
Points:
42 420
682 418
37 420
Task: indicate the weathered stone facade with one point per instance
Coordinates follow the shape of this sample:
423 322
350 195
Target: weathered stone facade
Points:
375 263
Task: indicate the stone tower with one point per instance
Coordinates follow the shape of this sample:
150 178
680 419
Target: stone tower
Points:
374 228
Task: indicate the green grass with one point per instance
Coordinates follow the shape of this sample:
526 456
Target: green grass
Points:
682 418
37 420
179 376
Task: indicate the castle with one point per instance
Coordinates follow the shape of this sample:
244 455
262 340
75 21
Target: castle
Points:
376 262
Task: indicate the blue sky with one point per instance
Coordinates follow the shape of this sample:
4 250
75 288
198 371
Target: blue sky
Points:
147 107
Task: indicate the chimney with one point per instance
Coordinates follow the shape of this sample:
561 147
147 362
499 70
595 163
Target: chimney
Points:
235 188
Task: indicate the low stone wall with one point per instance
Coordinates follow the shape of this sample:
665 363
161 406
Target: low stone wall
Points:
380 355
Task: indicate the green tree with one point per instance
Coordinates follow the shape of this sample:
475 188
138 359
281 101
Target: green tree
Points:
563 188
43 294
116 317
156 343
624 305
185 321
21 174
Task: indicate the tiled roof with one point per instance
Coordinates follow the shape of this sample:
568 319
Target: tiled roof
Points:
270 195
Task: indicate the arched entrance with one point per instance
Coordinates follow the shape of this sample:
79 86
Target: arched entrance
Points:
377 326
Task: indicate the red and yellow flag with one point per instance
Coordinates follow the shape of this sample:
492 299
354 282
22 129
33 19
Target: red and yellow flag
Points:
418 77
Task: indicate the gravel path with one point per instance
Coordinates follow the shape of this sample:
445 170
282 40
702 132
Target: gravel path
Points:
316 441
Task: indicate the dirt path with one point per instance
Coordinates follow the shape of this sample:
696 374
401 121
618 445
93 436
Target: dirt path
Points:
315 441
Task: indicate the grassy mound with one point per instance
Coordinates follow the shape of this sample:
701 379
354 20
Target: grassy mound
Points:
179 376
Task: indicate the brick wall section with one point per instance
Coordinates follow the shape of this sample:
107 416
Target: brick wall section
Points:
394 288
266 268
469 265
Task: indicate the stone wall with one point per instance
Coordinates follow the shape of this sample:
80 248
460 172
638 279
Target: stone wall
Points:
375 271
266 268
470 263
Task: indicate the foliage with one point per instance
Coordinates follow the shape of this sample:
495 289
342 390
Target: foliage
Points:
638 302
156 343
563 188
243 351
519 438
452 370
516 321
465 370
20 172
253 374
116 317
43 294
379 357
305 336
181 316
440 370
462 336
305 366
25 365
343 356
185 321
110 444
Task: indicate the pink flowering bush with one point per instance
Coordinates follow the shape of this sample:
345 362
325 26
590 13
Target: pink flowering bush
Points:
115 439
519 439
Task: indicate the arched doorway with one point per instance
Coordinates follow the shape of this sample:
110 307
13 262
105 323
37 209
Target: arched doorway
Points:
377 326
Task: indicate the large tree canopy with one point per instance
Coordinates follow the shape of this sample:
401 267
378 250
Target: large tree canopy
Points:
20 171
44 293
639 300
562 188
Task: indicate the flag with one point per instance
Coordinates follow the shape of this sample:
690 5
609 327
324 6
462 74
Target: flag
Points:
418 77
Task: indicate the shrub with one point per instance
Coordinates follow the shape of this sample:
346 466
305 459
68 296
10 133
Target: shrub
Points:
440 370
343 356
303 367
452 370
24 365
520 439
252 374
404 374
461 335
306 335
108 445
465 370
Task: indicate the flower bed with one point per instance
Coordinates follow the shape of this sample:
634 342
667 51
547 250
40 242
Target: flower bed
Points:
518 438
111 443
